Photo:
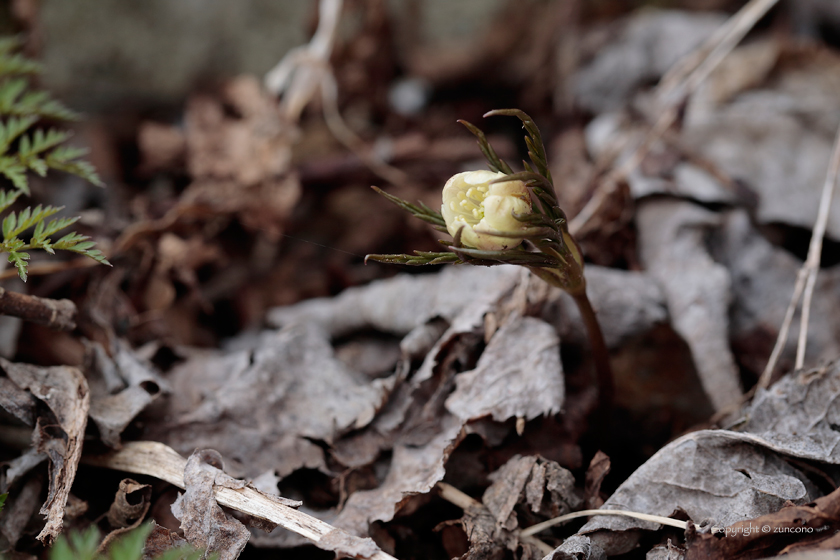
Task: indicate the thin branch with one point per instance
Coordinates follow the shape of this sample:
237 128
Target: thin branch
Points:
674 89
806 277
692 70
767 374
58 314
815 249
350 140
161 461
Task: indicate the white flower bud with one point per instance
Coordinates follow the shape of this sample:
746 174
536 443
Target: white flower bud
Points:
484 210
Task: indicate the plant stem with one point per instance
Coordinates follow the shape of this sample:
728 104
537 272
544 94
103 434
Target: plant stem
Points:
600 353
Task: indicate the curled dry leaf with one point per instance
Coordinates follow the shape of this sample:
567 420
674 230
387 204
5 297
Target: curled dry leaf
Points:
64 391
121 387
599 468
628 303
696 288
204 523
130 504
127 511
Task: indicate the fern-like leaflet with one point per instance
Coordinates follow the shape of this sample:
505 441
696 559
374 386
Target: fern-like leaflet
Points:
25 149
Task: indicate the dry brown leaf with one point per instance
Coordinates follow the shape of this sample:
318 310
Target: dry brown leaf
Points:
777 135
64 391
17 402
348 545
668 551
162 147
802 527
488 540
715 476
262 408
763 277
414 470
204 523
19 466
543 486
121 387
160 540
599 468
696 288
241 165
127 514
798 416
130 503
403 303
19 509
577 547
519 375
722 477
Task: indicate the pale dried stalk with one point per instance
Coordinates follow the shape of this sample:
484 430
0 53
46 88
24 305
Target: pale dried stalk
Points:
806 278
692 70
463 501
682 81
161 461
534 529
304 70
815 249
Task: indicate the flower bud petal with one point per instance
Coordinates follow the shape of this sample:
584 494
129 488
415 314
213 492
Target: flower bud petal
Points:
483 211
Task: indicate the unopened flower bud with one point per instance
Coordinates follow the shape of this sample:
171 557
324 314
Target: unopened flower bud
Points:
485 210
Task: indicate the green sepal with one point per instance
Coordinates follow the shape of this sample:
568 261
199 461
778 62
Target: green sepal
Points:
422 211
419 258
495 163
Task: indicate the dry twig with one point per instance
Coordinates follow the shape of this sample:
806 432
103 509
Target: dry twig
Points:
59 314
161 461
304 70
806 278
682 81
